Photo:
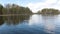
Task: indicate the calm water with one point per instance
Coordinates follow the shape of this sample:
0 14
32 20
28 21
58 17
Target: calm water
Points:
34 24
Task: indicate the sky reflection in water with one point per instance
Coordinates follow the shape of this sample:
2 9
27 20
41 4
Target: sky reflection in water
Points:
35 24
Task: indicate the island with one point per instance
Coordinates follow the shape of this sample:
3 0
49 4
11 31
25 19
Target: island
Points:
49 11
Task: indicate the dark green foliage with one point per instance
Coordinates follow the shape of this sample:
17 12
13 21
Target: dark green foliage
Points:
49 11
15 9
1 18
1 7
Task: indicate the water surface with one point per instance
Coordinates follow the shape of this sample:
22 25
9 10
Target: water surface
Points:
32 24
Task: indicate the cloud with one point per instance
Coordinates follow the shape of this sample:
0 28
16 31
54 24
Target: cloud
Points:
46 4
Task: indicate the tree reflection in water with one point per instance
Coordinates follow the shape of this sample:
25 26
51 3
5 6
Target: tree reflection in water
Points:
1 20
15 19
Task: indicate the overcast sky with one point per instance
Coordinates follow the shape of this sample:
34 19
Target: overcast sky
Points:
34 5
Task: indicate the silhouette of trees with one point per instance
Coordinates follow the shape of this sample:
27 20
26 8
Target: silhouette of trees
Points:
15 9
49 11
1 7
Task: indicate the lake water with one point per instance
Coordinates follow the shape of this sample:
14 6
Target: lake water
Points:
34 24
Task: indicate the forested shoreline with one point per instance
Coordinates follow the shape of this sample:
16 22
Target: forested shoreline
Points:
16 9
16 13
49 11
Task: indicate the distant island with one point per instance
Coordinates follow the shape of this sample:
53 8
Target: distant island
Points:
49 11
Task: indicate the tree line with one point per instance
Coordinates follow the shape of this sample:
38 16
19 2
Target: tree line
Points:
14 9
49 11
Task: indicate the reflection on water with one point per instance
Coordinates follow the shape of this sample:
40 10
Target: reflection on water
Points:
1 20
13 19
49 25
16 19
26 24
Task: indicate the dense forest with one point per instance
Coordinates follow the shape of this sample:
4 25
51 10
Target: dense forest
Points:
49 11
14 9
